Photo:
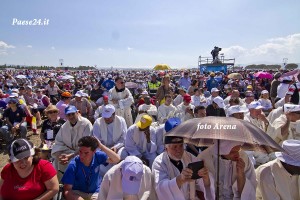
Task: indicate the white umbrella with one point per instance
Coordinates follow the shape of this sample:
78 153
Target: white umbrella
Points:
66 77
21 76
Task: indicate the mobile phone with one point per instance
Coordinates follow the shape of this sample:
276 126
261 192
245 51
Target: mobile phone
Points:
196 166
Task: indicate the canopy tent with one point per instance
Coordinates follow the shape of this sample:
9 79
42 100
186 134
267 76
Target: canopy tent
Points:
162 67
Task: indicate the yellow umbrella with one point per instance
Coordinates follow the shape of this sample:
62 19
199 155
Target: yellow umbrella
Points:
162 67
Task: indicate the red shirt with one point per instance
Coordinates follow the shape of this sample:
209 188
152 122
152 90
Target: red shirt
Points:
31 187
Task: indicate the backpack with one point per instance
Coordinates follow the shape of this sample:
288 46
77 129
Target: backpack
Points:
295 96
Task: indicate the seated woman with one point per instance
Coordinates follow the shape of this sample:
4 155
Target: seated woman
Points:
26 176
50 128
15 121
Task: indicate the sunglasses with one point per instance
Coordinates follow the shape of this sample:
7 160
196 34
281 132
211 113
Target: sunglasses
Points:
51 112
70 114
12 102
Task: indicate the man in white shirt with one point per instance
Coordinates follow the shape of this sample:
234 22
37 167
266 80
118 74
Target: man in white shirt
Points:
280 178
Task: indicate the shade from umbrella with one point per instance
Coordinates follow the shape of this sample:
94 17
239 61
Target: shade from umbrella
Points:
263 75
131 85
235 76
21 76
162 67
207 130
204 132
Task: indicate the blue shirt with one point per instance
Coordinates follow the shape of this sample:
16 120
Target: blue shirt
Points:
108 84
184 82
212 83
83 178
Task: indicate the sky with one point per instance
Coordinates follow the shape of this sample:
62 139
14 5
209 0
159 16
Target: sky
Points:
140 33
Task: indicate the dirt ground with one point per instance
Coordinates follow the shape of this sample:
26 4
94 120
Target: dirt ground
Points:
35 139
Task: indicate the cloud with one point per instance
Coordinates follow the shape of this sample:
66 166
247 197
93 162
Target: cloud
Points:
100 49
29 46
272 48
129 48
4 47
53 48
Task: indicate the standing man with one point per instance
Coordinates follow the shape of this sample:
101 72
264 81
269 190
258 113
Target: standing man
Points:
212 82
66 140
141 140
121 98
82 179
153 85
185 81
274 84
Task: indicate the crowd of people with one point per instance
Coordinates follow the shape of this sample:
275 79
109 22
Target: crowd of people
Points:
102 135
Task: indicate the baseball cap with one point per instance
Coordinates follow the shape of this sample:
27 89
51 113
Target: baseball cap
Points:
212 74
144 92
70 109
187 97
249 94
66 94
173 140
291 155
144 122
291 108
172 123
105 97
15 90
19 149
29 87
254 105
214 90
78 94
108 110
236 109
14 95
219 101
206 94
264 92
132 173
249 87
13 100
182 88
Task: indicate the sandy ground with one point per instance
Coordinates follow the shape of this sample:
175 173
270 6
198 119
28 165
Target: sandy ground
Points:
35 139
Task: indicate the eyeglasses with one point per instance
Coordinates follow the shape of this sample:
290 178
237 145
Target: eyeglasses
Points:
70 114
51 112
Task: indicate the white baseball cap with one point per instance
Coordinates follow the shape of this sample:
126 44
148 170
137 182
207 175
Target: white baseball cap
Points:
264 92
219 101
214 90
108 110
291 155
132 174
237 109
255 105
291 108
78 94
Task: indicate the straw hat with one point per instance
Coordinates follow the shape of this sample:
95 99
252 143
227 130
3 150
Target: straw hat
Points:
51 108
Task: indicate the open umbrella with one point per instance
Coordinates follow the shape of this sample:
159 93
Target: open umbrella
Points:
205 131
131 85
235 76
66 77
162 67
263 75
21 76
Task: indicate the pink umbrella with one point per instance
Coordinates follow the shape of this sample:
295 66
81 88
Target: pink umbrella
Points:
263 75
